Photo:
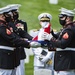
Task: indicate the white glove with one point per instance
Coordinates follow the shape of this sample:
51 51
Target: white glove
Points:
35 44
46 36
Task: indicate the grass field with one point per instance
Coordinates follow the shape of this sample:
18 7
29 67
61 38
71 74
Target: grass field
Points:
29 12
29 66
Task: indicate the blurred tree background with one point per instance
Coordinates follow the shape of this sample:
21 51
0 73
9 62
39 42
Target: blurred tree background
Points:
29 11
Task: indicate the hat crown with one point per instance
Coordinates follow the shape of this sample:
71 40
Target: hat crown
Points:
13 6
4 10
9 8
67 12
45 16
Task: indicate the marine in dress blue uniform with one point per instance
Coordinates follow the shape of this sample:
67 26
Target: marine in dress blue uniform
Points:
64 44
20 28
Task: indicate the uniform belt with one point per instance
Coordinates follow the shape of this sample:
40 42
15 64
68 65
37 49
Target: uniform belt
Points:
7 48
71 49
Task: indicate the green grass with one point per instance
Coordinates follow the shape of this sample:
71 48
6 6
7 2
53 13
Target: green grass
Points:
29 12
29 66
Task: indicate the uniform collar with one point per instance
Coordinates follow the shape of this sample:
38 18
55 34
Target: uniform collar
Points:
71 23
